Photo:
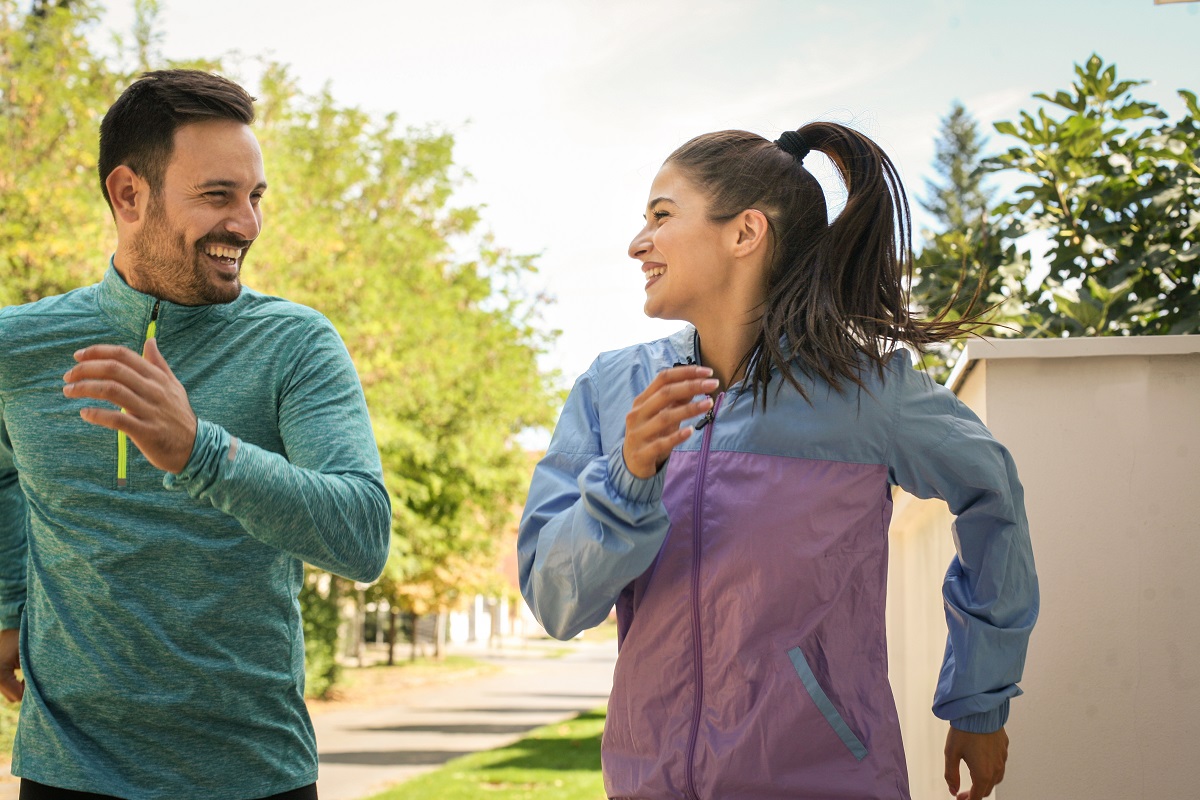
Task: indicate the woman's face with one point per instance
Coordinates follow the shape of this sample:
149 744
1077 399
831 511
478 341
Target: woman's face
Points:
684 255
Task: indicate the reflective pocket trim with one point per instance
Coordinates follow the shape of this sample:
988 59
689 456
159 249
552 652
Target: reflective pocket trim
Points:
825 706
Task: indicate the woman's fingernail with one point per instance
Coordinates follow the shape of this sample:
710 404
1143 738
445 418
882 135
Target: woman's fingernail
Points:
709 384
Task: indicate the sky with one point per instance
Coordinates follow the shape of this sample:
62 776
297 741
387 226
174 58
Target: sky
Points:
563 110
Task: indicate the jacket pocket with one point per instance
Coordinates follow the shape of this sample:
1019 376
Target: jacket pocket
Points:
825 705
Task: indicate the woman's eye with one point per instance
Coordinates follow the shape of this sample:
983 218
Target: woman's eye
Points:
661 214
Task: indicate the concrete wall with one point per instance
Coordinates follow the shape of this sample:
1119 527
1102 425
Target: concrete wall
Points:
1106 436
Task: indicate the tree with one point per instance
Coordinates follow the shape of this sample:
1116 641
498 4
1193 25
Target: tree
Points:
1114 186
52 94
960 198
446 347
964 261
1113 189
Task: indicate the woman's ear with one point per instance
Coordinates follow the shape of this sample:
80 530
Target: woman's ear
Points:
129 194
752 231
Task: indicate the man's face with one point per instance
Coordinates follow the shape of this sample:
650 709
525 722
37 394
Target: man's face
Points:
202 220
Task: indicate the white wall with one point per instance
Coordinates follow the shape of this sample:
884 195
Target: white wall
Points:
1106 436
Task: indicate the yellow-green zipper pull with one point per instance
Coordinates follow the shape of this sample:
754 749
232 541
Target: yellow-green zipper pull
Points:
122 439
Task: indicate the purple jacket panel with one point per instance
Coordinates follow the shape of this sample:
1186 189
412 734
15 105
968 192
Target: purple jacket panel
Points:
759 732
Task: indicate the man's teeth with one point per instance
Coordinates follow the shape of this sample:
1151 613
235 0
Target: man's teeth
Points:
654 272
223 252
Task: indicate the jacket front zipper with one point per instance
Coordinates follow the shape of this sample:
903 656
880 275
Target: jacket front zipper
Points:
697 651
122 439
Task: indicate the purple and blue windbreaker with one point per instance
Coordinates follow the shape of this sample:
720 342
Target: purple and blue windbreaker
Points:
749 577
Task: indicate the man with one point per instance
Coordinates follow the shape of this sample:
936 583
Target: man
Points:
172 448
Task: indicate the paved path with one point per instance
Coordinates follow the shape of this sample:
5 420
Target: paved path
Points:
364 750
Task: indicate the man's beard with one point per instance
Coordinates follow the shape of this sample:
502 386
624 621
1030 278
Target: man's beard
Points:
170 270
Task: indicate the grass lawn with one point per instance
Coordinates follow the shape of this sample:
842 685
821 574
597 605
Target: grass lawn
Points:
8 727
557 762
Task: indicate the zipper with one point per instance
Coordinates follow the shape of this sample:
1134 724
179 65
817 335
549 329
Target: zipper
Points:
122 439
698 668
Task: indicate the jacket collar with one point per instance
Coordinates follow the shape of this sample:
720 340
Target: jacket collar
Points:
130 310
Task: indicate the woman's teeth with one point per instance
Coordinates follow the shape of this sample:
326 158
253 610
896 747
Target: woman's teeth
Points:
654 272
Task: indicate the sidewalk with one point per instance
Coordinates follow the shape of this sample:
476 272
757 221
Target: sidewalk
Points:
365 750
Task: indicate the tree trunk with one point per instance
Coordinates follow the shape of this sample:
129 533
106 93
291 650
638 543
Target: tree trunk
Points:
439 637
416 623
393 616
360 625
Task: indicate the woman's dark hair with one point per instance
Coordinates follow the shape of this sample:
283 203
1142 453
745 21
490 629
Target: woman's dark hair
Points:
139 129
835 291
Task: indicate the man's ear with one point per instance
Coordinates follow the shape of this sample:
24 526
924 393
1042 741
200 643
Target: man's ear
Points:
129 194
753 232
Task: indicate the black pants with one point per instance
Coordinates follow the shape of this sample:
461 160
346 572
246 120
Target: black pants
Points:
36 791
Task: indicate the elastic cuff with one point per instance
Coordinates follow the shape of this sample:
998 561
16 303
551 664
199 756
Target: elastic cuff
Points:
983 722
628 486
10 615
204 466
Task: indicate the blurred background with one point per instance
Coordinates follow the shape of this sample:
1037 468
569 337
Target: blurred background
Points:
454 185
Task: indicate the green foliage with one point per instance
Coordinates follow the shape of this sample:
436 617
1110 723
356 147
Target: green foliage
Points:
52 95
1112 187
966 254
362 228
556 762
959 198
9 712
1115 187
360 223
320 599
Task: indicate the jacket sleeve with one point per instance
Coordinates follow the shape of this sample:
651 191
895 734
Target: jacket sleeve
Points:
14 533
325 502
590 527
941 449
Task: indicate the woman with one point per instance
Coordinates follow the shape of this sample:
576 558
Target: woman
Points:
746 550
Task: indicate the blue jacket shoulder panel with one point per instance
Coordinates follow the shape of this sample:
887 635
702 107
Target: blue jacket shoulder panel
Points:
589 526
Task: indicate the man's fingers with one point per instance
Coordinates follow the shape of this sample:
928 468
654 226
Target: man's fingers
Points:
113 420
114 352
12 689
106 369
154 356
109 391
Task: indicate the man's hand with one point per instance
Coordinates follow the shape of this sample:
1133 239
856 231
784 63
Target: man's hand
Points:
985 755
158 417
10 661
652 427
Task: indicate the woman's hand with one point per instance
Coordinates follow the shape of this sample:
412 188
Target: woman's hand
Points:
652 428
985 755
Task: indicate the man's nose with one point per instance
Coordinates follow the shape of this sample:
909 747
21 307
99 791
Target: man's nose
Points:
245 221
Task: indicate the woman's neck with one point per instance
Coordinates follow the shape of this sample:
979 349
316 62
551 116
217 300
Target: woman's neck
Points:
723 346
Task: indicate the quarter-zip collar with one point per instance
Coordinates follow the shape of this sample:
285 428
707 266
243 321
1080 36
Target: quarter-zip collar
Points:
129 310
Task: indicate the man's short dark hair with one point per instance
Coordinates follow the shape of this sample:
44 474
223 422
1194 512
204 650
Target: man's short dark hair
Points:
139 129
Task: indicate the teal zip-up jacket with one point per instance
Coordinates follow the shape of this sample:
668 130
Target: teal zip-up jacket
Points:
160 628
